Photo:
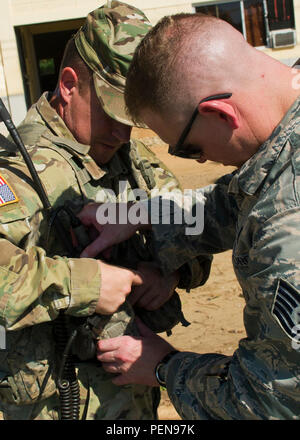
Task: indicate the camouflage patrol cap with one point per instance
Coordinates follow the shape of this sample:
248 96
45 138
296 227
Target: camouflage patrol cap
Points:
106 42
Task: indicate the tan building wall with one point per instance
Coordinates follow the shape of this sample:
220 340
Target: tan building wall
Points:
24 12
16 13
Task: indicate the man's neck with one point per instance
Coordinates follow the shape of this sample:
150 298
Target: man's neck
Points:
56 103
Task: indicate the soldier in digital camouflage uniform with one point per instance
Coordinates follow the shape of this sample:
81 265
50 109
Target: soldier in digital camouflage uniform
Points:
255 211
37 279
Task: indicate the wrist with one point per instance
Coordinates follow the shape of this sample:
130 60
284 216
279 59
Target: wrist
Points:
160 369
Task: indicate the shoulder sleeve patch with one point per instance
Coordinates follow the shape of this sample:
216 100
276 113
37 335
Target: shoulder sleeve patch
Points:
7 195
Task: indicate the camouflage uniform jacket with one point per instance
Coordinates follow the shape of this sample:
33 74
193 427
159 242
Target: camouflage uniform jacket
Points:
256 212
37 280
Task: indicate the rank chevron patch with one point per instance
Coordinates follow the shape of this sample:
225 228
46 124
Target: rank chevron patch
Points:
7 195
286 308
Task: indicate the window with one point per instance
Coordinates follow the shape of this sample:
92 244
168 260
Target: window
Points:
230 12
47 66
253 18
280 14
255 23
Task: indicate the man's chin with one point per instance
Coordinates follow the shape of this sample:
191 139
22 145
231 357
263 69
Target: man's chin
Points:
103 154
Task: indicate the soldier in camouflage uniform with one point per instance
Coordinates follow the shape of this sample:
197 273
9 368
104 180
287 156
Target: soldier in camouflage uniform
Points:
254 211
76 166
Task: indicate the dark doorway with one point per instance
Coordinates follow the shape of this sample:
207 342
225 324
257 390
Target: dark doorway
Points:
41 47
49 49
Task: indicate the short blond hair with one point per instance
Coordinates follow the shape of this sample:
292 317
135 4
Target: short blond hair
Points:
155 68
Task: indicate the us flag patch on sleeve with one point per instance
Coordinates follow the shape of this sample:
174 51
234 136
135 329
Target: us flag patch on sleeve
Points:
286 308
7 195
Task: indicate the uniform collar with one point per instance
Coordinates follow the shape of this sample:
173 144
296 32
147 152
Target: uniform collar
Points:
252 174
64 138
52 119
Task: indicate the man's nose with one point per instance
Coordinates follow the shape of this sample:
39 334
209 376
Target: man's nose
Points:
122 132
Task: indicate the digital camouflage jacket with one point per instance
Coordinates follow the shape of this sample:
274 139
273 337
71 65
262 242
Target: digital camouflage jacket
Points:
255 212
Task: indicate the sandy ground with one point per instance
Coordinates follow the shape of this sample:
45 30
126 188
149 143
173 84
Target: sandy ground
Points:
215 310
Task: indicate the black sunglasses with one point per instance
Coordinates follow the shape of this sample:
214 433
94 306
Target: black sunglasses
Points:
179 149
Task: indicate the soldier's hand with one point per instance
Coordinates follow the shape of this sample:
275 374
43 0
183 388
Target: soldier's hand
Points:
109 233
133 358
116 284
156 288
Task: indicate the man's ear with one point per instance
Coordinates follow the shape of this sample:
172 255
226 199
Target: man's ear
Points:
67 84
225 110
